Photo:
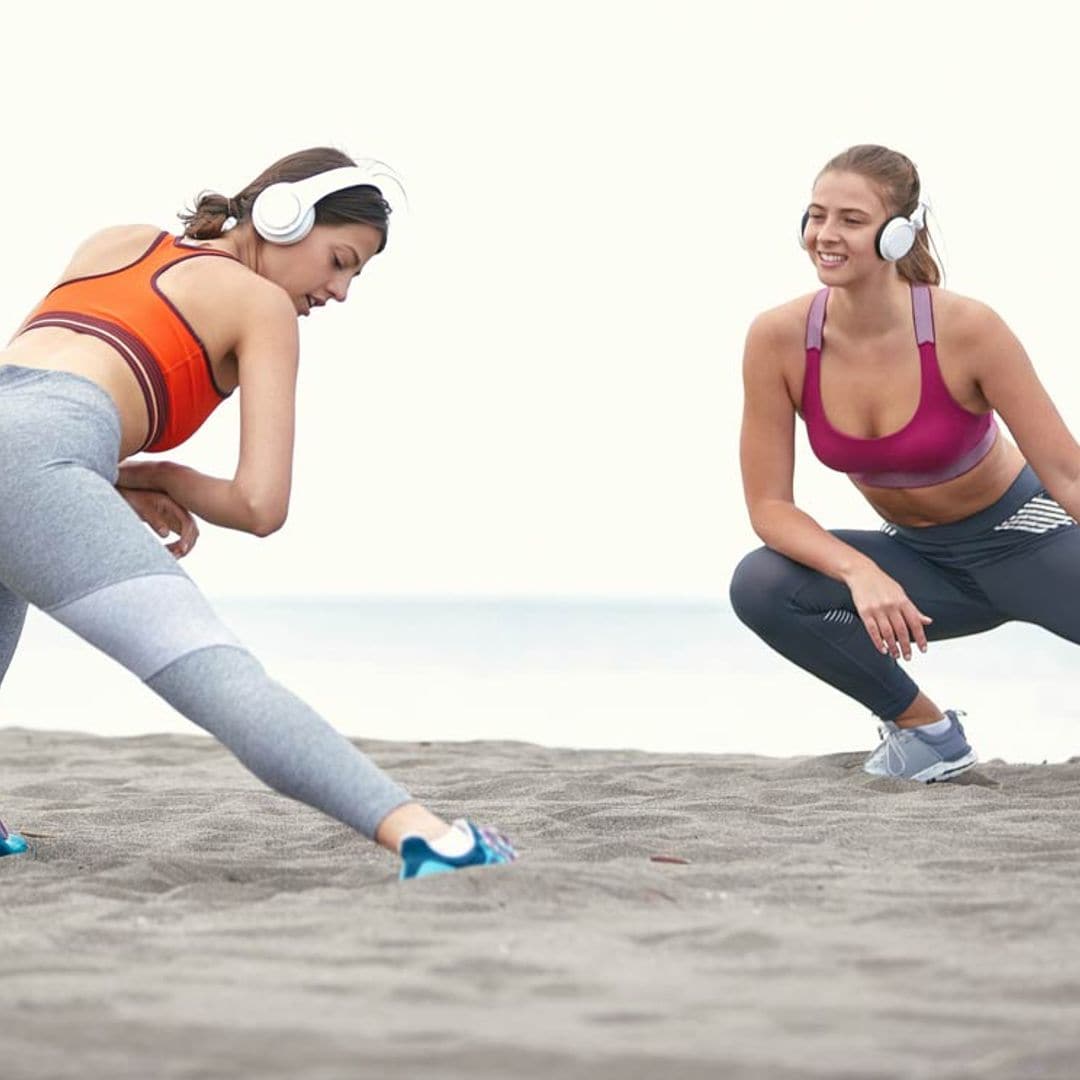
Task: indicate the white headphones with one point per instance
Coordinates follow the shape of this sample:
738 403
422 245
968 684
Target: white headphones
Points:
284 213
897 236
894 239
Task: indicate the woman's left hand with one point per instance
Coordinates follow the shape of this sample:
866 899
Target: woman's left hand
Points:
164 515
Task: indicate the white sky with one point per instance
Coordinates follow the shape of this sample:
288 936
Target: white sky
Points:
538 391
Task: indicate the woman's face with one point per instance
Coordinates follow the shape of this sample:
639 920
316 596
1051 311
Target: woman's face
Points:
322 266
845 214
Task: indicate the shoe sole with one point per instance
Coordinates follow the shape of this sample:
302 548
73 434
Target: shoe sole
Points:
946 770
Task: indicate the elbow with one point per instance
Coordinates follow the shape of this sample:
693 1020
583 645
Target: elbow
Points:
265 518
763 518
755 511
260 509
266 522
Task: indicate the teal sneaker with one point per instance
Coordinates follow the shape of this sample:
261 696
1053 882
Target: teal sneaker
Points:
11 843
910 754
420 859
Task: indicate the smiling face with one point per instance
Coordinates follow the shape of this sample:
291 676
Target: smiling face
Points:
322 266
845 213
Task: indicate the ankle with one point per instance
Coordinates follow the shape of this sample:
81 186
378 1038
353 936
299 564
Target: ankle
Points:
918 720
409 820
921 711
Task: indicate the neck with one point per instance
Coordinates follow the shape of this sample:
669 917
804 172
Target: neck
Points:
241 242
244 244
872 306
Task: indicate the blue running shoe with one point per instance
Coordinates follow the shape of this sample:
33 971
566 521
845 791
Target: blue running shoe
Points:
11 843
420 859
911 754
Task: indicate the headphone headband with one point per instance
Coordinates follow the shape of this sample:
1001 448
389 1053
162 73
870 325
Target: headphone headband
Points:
317 187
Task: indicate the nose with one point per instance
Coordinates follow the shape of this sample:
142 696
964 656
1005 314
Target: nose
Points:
826 231
339 289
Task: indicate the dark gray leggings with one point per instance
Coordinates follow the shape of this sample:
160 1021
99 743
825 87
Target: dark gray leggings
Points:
1018 560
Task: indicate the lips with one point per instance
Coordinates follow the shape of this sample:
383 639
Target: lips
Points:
829 258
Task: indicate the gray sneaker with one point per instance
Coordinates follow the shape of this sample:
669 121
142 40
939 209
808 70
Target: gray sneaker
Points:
909 754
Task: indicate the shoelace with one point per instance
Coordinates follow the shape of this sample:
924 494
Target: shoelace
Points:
894 750
498 843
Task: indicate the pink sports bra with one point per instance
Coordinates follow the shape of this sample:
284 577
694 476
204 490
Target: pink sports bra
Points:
940 442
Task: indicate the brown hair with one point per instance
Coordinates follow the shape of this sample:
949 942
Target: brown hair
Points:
897 181
363 203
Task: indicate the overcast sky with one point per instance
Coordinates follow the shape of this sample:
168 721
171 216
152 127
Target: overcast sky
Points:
537 389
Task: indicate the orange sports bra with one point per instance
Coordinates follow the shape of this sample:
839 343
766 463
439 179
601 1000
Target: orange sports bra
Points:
126 309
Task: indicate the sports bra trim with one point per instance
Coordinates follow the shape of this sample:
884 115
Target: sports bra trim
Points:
109 273
190 252
138 357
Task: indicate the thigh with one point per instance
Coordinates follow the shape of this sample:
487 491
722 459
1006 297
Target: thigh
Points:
70 545
78 551
73 535
957 607
1040 582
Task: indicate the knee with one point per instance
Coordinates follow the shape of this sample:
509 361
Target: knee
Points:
761 588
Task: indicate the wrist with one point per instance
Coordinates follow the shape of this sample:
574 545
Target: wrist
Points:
144 476
851 566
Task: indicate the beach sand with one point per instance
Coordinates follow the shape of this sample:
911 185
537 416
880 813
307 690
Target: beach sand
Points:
177 919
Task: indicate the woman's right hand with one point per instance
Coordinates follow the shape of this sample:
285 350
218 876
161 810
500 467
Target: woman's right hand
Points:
164 515
890 618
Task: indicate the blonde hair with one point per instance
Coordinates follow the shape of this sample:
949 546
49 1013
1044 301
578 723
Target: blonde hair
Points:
897 180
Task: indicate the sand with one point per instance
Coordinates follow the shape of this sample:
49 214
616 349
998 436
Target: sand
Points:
176 919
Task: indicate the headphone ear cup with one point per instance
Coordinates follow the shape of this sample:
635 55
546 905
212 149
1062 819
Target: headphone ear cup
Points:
279 216
802 229
895 239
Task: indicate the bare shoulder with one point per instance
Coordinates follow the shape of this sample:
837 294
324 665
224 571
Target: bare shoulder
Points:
963 322
111 248
961 315
265 317
781 328
259 297
236 293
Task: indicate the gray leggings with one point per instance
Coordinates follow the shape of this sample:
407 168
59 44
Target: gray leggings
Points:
71 546
1016 560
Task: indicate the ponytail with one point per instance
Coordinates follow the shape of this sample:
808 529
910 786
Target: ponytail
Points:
206 221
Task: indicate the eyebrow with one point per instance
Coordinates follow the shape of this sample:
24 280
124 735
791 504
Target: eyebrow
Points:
844 210
356 259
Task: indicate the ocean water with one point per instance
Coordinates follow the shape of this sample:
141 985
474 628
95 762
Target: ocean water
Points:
664 676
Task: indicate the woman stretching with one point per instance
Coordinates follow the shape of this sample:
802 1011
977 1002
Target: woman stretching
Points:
144 336
898 382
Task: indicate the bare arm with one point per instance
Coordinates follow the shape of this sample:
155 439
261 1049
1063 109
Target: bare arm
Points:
767 457
1009 383
767 453
256 499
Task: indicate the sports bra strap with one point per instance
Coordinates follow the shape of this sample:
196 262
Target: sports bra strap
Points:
920 303
815 320
924 314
